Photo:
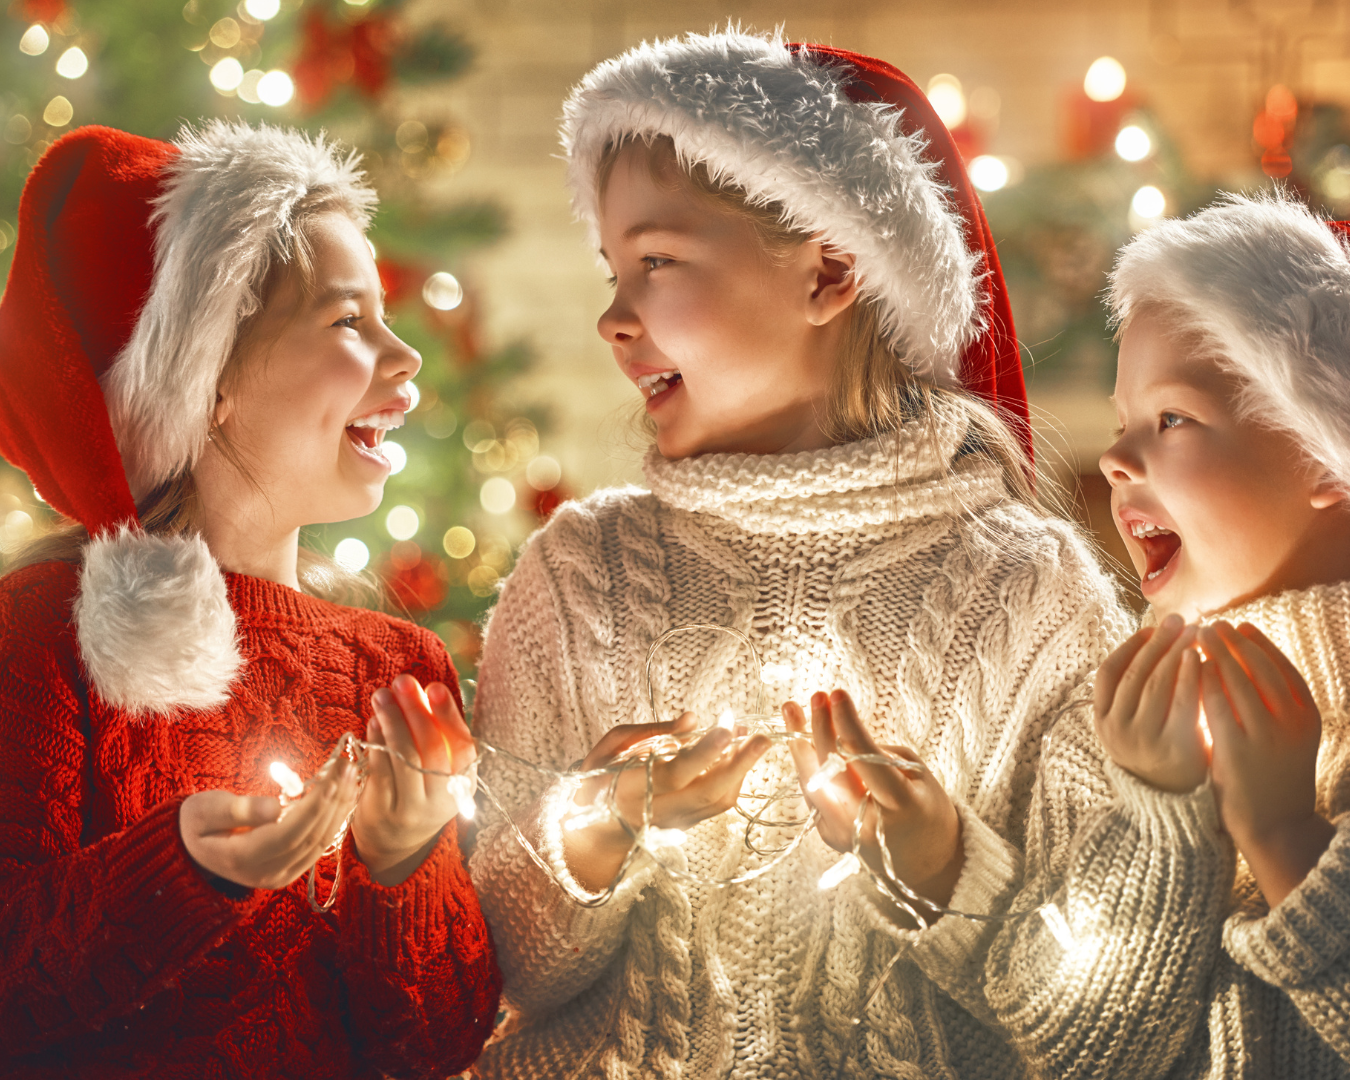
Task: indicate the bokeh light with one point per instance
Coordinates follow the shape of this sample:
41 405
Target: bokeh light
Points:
443 291
73 63
458 542
948 99
1105 79
58 112
1148 202
351 554
1133 143
497 495
248 86
227 74
988 173
35 40
262 10
415 394
275 89
395 455
402 522
543 473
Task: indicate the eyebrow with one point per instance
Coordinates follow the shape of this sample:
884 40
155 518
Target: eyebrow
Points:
644 227
342 292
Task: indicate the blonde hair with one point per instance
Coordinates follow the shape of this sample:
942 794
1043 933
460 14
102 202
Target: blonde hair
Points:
873 392
174 507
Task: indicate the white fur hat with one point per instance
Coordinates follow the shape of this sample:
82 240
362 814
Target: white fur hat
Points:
786 125
1267 285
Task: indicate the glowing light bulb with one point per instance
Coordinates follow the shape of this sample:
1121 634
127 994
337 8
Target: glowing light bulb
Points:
988 173
726 719
462 788
73 63
35 40
832 767
1059 926
1105 79
1133 143
287 779
654 837
585 817
844 869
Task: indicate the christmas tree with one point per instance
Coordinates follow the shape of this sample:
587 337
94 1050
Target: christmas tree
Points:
469 479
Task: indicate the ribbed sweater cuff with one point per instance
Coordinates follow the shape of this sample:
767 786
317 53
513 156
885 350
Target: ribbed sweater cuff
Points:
398 926
990 876
1308 931
1189 819
167 910
586 923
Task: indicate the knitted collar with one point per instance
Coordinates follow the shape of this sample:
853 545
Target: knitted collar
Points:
1312 628
872 482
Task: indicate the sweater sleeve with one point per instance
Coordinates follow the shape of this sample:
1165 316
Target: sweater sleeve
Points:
1303 945
550 947
87 933
1141 878
417 958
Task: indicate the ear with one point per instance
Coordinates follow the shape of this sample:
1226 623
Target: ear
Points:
834 284
1327 492
224 406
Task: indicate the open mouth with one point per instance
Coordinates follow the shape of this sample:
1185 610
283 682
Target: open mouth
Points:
366 433
1160 545
659 382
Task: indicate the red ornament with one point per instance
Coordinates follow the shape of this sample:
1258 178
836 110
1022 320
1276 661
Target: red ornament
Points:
43 11
543 503
333 53
399 280
420 582
1090 127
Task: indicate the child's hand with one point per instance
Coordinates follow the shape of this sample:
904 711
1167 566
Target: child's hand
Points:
402 811
249 841
701 781
1266 730
1147 707
923 831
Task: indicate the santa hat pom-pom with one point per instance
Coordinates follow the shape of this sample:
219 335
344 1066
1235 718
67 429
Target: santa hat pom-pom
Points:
154 623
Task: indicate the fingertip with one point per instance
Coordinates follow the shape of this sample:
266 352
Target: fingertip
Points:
820 700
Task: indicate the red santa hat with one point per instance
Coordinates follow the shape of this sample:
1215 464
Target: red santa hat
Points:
852 150
136 262
1266 284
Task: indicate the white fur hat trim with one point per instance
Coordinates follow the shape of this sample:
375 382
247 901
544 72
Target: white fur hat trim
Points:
782 128
1267 284
154 624
227 202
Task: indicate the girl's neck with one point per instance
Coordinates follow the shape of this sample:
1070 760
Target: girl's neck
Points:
240 525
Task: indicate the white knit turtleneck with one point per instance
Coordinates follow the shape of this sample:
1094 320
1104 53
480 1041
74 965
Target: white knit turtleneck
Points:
961 621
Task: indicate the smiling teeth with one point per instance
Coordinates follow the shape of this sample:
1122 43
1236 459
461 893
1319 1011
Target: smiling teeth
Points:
654 384
1141 529
390 418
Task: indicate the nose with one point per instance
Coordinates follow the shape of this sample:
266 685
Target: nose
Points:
619 325
399 361
1120 465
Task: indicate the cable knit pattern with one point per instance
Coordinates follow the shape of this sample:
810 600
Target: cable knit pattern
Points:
962 622
118 959
1200 978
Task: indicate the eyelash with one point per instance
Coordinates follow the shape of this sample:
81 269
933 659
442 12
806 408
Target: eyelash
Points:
1163 417
613 279
347 320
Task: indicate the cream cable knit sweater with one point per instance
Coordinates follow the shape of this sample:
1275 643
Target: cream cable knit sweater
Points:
962 623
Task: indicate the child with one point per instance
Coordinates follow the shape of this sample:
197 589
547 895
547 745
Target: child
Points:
806 295
195 365
1229 483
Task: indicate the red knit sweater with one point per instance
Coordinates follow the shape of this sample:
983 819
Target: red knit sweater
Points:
119 959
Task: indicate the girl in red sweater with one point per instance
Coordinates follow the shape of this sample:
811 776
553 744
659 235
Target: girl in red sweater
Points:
194 365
